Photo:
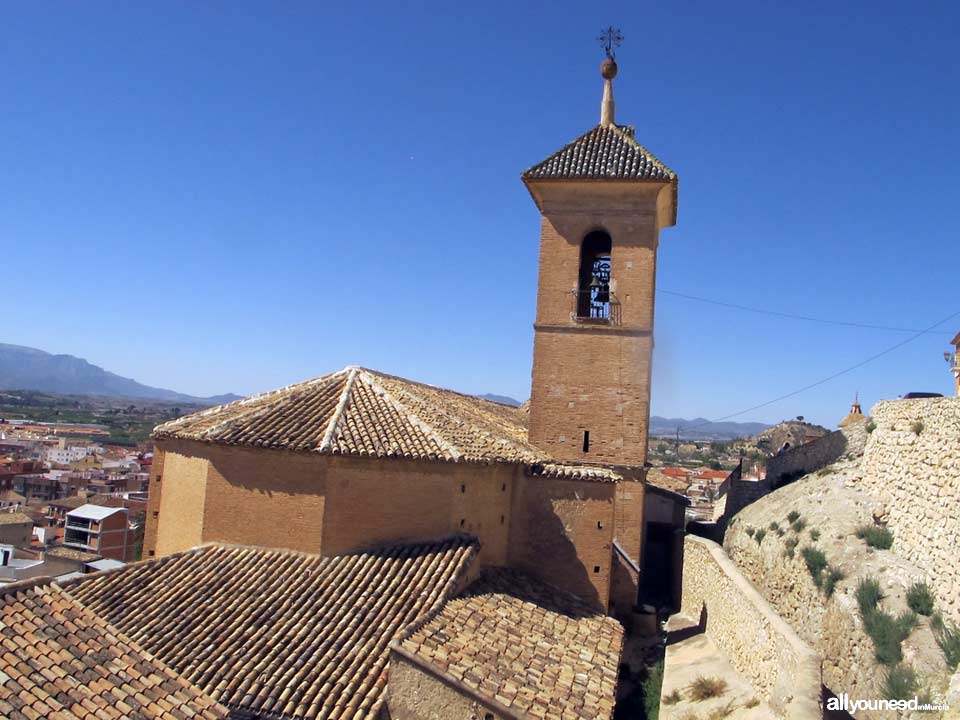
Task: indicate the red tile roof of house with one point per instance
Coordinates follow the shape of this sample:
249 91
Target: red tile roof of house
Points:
532 648
279 634
62 661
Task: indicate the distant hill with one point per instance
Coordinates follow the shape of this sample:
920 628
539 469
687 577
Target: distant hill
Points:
502 399
25 368
703 429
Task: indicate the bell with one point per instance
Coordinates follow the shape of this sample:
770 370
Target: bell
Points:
603 293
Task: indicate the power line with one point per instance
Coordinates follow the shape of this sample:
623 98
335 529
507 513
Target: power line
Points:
836 374
792 316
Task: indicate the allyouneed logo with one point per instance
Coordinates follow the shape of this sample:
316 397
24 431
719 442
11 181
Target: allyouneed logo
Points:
843 702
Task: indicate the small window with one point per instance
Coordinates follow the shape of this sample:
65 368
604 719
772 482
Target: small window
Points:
502 519
463 488
599 525
586 441
503 488
151 553
462 522
156 513
596 569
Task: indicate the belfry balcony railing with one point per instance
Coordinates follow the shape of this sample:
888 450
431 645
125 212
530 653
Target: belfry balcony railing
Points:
596 305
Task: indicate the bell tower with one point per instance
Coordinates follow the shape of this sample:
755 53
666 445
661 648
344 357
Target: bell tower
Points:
603 199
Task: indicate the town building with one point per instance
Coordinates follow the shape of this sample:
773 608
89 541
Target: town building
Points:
101 530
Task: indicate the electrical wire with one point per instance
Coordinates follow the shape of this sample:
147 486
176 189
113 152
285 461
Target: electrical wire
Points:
835 375
791 316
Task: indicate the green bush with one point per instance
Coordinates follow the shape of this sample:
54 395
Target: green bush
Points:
900 682
920 599
651 686
704 688
947 636
880 538
868 595
887 635
816 563
759 535
774 526
790 546
917 427
871 426
798 525
750 531
830 580
814 534
793 516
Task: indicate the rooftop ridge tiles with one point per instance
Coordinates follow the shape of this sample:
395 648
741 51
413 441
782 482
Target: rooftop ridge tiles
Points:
338 411
414 419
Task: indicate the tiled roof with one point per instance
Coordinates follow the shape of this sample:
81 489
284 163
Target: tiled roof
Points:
606 152
530 647
62 551
12 497
71 503
61 661
277 633
362 412
14 518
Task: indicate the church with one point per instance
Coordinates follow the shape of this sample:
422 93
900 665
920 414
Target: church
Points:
358 458
367 547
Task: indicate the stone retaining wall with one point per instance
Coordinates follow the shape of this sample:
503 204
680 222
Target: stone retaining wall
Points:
760 645
804 459
912 466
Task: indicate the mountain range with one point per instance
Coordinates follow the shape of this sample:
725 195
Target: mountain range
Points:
26 368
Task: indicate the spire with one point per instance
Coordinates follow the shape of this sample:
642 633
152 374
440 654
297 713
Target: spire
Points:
609 71
609 40
855 408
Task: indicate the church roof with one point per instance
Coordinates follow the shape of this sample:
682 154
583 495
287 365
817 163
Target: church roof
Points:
532 648
279 634
606 152
361 412
63 661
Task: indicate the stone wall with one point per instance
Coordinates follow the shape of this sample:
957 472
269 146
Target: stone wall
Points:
760 645
804 459
912 466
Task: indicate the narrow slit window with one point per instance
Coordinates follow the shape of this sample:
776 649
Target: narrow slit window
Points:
586 441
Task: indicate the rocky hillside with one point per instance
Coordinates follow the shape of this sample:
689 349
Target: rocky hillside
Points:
800 547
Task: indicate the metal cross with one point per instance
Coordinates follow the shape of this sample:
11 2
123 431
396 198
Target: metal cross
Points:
610 40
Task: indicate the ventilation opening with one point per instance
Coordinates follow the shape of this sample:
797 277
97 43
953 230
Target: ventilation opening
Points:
463 488
586 441
599 525
462 522
596 569
503 488
502 519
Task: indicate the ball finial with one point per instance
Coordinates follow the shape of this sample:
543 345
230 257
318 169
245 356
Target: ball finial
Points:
608 69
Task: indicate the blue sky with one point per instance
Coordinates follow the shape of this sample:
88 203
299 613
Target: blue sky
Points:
229 197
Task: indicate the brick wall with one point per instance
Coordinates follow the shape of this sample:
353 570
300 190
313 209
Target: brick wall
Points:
178 508
588 376
562 532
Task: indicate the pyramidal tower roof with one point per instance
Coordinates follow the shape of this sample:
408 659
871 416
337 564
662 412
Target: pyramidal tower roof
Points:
607 151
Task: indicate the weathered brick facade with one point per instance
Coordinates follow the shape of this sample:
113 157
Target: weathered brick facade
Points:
558 530
593 375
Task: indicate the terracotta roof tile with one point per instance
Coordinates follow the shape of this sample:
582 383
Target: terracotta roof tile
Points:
277 633
605 152
531 647
361 412
62 661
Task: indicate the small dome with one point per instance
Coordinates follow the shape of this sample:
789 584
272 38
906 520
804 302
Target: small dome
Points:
608 69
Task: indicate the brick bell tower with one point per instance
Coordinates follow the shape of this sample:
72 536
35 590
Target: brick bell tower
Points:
603 199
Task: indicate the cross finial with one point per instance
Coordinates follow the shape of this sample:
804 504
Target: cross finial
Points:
610 40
